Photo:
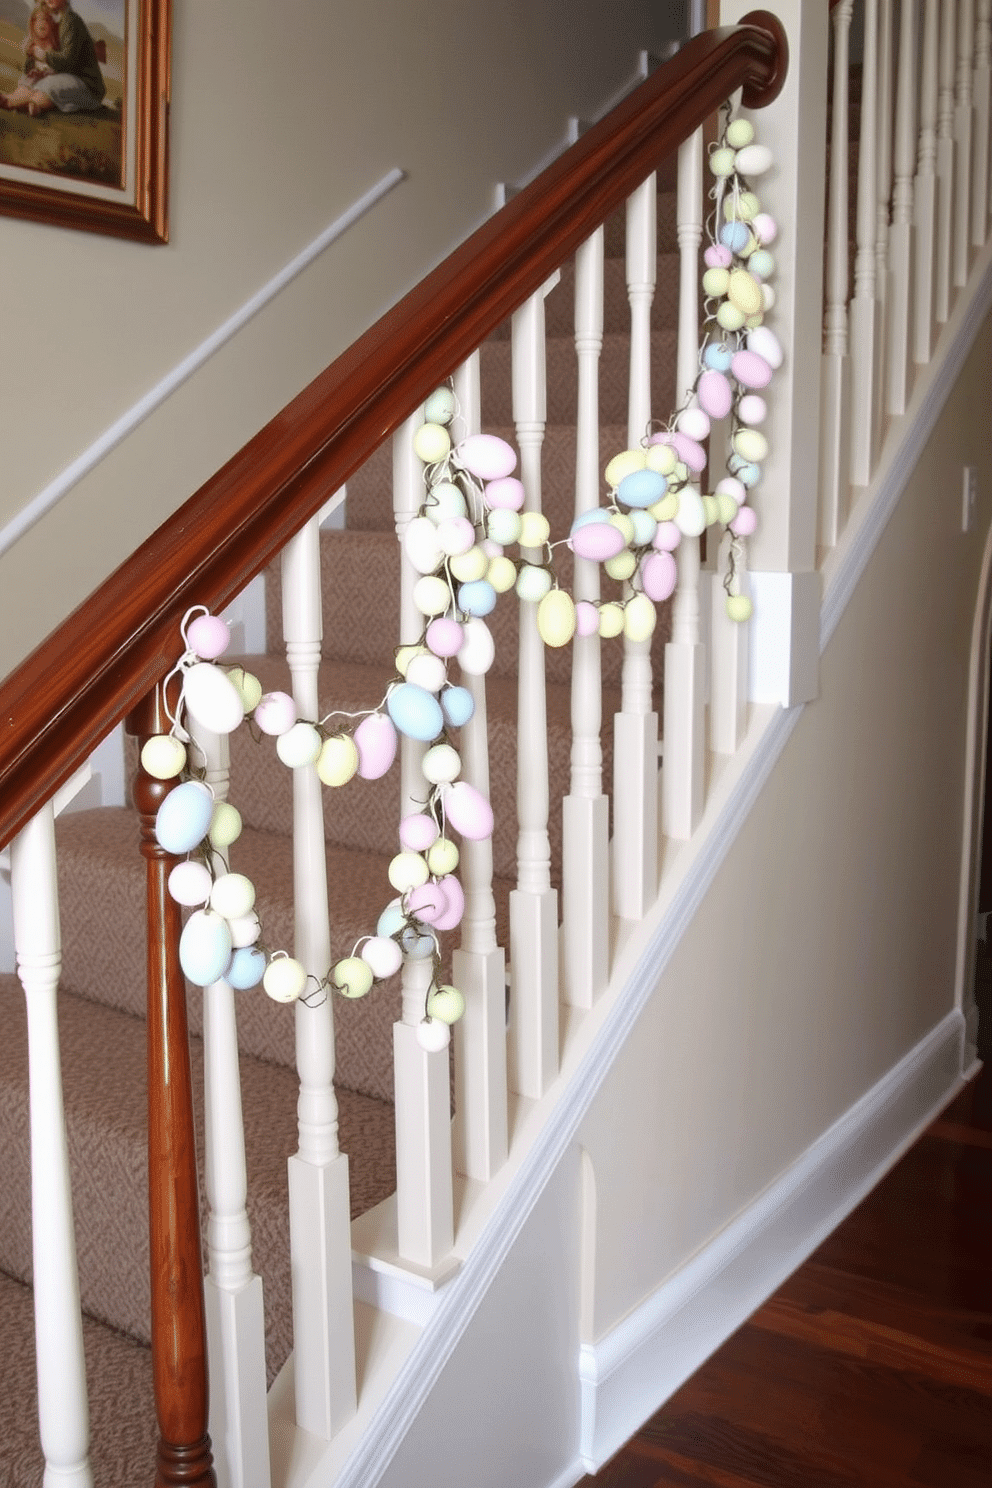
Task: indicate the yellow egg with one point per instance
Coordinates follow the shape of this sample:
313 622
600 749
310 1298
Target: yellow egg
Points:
740 132
225 825
716 282
624 464
337 761
534 530
431 443
744 291
502 574
722 162
623 524
665 509
163 756
639 618
442 857
622 566
662 458
726 508
739 607
556 618
729 317
610 620
469 566
431 595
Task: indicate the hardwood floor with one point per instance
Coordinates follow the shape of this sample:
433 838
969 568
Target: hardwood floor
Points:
872 1366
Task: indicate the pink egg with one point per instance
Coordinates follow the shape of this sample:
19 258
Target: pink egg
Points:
750 369
586 618
667 537
445 636
418 832
764 228
375 740
689 452
275 713
507 493
455 895
487 456
597 541
745 522
718 257
428 902
715 394
658 576
208 636
468 811
731 486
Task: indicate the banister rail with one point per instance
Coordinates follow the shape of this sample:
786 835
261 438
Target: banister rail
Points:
57 705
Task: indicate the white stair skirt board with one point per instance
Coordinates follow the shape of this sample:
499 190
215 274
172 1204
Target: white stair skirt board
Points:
631 1372
784 656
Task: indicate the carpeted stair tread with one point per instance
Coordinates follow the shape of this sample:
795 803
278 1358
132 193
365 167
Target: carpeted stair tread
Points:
105 1081
562 387
121 1403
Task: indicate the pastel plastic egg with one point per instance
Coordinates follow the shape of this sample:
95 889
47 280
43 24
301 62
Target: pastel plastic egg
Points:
717 357
596 541
752 409
751 370
352 976
745 522
245 930
426 902
767 297
487 456
407 870
406 654
742 206
502 574
212 698
765 344
431 595
665 509
478 651
183 818
190 883
442 857
375 740
455 906
622 566
440 406
233 895
761 263
694 422
711 509
753 321
457 705
645 526
740 132
624 464
431 443
415 712
715 394
739 608
337 762
427 671
455 535
284 979
299 746
610 620
417 944
418 831
717 257
642 488
444 636
586 619
754 160
422 546
468 811
276 712
247 968
667 537
716 282
731 486
507 493
433 1035
744 292
730 317
503 525
658 575
383 956
691 515
662 459
491 549
621 521
208 636
446 1003
477 597
444 500
392 920
689 451
441 764
533 583
750 444
726 509
248 686
734 235
163 756
640 615
556 618
747 472
225 825
534 530
205 947
721 162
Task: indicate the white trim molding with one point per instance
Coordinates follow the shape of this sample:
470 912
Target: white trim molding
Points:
634 1369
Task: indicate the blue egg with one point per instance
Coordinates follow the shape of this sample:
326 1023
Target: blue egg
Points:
391 920
247 968
745 470
183 818
205 947
642 488
416 945
598 514
734 235
415 712
645 528
718 357
458 705
477 597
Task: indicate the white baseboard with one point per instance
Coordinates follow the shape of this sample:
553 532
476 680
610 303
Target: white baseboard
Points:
628 1374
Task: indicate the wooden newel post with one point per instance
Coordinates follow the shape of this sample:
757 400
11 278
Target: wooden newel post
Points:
179 1346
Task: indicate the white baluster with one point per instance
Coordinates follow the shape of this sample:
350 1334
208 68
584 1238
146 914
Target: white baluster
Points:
864 306
585 810
478 967
319 1204
982 85
946 151
883 198
235 1318
533 903
901 244
963 123
925 192
63 1413
835 447
635 750
685 656
424 1209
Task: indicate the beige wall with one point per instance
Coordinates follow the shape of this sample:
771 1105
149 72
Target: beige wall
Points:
826 946
282 115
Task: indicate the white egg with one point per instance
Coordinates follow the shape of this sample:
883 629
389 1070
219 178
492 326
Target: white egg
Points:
212 698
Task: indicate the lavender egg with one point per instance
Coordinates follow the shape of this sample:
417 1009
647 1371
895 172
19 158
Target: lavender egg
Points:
751 370
208 636
184 817
596 541
276 712
375 740
717 257
455 907
487 456
414 712
507 493
418 832
667 537
586 618
745 522
445 636
658 575
428 902
468 811
689 452
715 394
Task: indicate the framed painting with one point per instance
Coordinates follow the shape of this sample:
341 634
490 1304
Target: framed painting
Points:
84 112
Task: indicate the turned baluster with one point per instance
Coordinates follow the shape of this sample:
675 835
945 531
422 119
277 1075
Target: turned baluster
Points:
925 191
179 1345
963 123
835 384
982 90
865 319
946 151
901 236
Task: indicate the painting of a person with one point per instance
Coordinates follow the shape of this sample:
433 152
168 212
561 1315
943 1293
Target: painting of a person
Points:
65 75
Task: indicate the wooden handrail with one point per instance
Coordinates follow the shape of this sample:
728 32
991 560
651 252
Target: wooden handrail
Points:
61 701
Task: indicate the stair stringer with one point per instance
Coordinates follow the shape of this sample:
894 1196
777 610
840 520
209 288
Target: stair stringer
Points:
545 1171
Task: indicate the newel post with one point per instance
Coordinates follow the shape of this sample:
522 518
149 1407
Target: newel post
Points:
784 657
179 1345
